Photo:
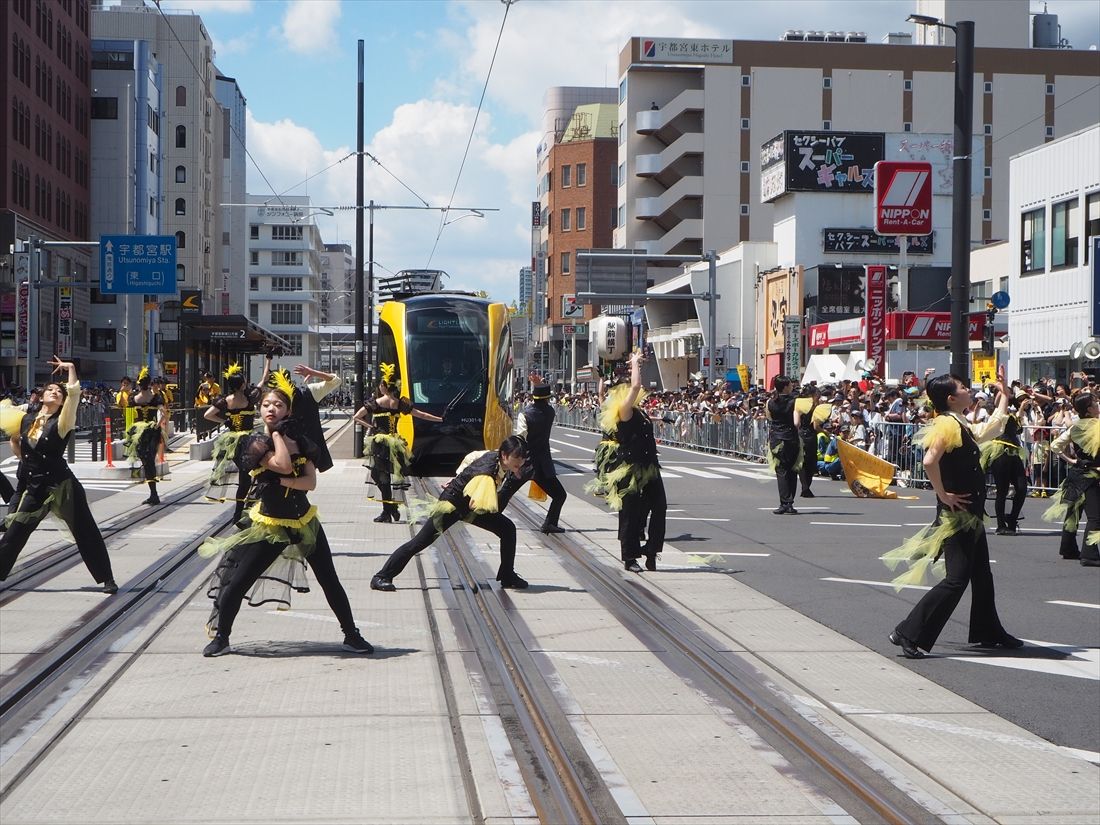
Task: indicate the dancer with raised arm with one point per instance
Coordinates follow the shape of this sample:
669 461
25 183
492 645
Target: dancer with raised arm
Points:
39 438
145 436
237 410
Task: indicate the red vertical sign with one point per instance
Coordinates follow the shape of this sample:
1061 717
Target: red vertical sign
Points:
875 328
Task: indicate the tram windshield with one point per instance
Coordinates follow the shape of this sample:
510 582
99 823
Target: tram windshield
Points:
448 351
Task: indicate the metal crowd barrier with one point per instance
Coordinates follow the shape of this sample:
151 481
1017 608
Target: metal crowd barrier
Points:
747 438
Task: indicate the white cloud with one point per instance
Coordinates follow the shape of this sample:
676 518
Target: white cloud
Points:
235 45
309 26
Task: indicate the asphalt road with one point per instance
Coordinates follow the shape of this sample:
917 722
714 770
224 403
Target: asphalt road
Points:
825 564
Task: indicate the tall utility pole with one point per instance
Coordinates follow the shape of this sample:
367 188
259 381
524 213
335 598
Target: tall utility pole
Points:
960 189
357 440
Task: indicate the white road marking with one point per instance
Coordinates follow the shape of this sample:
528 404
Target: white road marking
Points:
692 518
757 476
852 524
876 584
693 472
570 435
1075 604
669 475
1080 662
800 507
920 506
704 555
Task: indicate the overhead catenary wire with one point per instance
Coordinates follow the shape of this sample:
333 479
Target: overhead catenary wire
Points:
470 139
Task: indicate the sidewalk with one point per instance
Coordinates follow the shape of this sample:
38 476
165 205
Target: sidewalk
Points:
291 729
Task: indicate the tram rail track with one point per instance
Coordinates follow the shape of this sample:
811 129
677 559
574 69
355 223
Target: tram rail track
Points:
691 651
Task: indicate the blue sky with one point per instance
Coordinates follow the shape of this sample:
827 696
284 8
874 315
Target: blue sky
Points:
426 63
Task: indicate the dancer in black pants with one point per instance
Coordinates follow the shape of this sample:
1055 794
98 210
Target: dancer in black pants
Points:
533 425
237 410
1081 489
387 450
50 485
145 436
1004 458
479 492
633 484
952 462
807 432
784 444
267 560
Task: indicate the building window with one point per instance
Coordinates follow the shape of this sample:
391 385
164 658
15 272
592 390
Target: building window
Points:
153 207
566 176
566 220
254 232
582 174
254 283
286 258
826 125
622 91
744 209
103 339
987 214
104 108
614 175
614 217
744 167
907 126
181 206
181 240
907 85
1092 218
746 80
181 174
286 232
254 312
987 129
181 137
622 133
253 258
987 172
286 284
295 342
1050 131
1064 238
98 297
622 216
565 263
582 218
1050 88
1033 237
181 95
286 313
988 87
826 83
181 273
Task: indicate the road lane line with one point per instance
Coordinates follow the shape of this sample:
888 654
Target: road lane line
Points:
853 524
693 518
876 584
800 507
1074 604
704 555
693 472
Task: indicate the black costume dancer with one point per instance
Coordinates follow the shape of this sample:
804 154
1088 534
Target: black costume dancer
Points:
388 452
631 481
952 461
1081 489
784 444
267 560
533 425
1004 458
807 433
145 436
49 484
479 492
237 410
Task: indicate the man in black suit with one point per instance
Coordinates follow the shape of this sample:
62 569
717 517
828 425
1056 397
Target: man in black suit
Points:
533 424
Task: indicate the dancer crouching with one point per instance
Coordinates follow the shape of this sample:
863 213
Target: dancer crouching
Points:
479 492
285 532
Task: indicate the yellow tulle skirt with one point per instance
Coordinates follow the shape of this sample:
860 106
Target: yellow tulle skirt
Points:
922 553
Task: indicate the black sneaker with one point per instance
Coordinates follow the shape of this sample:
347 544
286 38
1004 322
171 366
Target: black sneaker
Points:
632 566
512 582
218 645
355 643
110 587
379 583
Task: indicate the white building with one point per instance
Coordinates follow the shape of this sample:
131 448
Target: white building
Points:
284 272
337 284
1054 201
231 286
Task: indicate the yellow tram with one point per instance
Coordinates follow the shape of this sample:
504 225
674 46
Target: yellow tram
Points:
452 353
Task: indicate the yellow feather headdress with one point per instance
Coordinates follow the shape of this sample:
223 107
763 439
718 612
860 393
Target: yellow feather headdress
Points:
231 370
387 371
143 374
280 380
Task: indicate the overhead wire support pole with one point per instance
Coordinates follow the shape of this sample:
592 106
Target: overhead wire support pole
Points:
357 441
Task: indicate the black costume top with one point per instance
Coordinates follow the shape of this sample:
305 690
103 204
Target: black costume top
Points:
961 470
806 429
147 411
308 414
275 500
44 461
536 421
637 444
384 420
781 413
1011 434
486 464
244 419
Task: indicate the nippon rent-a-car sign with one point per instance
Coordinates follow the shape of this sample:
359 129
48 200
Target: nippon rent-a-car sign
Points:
903 198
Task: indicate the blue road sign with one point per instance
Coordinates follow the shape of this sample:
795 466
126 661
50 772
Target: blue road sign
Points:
1000 300
143 264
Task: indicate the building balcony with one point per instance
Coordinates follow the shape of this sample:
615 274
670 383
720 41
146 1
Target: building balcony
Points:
661 121
689 231
655 207
648 166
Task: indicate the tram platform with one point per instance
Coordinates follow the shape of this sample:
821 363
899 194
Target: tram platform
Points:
288 728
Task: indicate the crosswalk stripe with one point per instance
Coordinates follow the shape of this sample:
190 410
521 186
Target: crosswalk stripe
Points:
756 476
693 472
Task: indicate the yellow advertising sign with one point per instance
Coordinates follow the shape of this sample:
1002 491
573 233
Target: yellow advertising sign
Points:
983 368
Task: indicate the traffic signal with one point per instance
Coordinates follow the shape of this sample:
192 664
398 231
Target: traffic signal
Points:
987 331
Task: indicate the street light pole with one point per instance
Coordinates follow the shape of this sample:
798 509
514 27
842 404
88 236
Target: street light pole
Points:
357 441
960 199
